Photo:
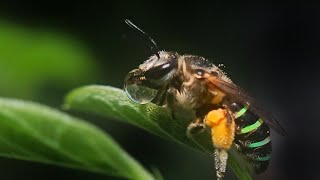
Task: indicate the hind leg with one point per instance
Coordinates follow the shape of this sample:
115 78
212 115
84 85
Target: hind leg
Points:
222 132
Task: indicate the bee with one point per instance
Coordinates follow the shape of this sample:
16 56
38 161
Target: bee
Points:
195 85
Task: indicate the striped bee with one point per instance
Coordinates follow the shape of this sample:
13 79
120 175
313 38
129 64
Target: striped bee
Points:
195 85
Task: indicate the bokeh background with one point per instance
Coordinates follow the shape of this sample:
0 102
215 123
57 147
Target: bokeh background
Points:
271 50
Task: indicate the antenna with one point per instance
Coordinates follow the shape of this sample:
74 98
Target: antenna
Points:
153 45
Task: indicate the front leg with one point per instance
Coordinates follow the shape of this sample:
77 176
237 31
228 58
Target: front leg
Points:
177 103
172 102
181 111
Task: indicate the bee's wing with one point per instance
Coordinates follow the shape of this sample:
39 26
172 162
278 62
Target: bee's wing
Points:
238 94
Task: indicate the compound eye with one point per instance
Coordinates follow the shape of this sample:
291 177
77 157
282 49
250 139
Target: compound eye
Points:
138 89
159 72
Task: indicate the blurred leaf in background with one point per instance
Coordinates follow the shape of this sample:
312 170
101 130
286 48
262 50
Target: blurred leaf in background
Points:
37 63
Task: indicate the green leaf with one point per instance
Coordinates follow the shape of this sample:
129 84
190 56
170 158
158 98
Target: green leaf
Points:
35 58
113 103
34 132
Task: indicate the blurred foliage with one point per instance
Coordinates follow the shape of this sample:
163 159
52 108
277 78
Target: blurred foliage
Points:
113 103
33 59
34 132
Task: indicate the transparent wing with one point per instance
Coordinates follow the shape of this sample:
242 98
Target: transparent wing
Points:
241 96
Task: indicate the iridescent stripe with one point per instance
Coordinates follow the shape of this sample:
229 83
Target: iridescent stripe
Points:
251 127
260 143
265 158
241 112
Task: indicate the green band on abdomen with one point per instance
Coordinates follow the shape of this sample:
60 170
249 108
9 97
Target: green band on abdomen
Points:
260 143
265 158
251 127
241 112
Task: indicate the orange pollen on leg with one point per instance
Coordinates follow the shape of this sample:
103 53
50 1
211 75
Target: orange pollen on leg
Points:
215 117
222 132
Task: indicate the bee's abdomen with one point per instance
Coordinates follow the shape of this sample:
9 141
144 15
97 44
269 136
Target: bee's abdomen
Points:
252 138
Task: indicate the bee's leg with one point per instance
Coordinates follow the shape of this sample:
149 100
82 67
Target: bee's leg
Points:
180 111
222 128
177 109
222 132
171 101
229 115
220 159
195 127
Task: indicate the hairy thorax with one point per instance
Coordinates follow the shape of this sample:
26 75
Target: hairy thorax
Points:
191 92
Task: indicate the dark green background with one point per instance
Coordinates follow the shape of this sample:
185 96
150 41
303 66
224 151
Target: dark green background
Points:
271 50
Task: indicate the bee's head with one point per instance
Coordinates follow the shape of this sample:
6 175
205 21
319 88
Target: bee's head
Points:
142 84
